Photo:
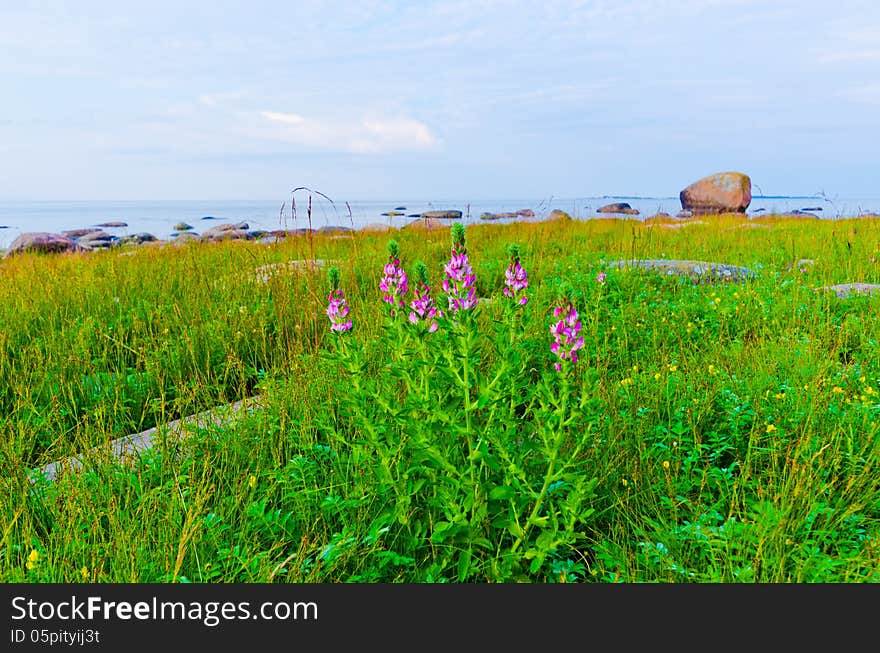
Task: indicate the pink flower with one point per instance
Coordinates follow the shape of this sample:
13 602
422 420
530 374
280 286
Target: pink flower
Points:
566 335
337 311
394 284
516 281
601 278
459 283
423 308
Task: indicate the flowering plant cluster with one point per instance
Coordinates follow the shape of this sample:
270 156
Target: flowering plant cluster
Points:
444 433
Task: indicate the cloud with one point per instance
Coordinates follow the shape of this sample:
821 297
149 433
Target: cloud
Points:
362 136
289 118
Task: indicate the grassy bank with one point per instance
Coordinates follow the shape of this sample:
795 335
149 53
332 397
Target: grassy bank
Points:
709 432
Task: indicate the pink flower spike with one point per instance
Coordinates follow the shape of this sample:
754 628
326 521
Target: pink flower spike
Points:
566 335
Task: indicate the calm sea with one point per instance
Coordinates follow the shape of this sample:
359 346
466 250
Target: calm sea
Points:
159 217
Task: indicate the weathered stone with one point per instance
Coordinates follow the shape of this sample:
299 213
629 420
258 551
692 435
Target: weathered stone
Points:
139 239
41 242
264 273
182 226
428 224
377 227
78 233
724 192
185 237
618 207
684 214
498 216
556 214
334 229
844 290
526 213
697 270
115 223
226 234
393 214
214 232
93 236
441 215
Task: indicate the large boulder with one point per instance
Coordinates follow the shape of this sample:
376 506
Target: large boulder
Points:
44 242
724 192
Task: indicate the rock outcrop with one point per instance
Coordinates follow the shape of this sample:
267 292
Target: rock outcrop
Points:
43 242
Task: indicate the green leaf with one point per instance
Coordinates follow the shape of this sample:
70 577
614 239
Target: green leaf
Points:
464 563
501 492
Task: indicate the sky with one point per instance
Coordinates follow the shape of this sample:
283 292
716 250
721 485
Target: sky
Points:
486 99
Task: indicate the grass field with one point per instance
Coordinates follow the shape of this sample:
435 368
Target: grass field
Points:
708 432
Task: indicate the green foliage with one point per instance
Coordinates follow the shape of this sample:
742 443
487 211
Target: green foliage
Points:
710 432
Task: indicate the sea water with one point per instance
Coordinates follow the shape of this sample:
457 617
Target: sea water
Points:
159 217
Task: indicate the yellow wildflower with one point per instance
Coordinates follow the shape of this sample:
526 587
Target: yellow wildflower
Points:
665 464
779 395
84 572
771 428
252 482
657 376
673 368
32 559
712 369
837 390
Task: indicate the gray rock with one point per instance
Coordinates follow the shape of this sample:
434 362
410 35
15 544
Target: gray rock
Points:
844 290
526 213
393 214
618 207
185 237
115 223
215 232
441 215
97 240
498 216
334 229
684 214
139 239
182 226
226 234
78 233
41 242
697 270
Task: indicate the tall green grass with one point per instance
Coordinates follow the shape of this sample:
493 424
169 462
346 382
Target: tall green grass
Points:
734 431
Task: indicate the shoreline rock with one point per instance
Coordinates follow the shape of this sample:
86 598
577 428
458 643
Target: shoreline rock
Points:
723 192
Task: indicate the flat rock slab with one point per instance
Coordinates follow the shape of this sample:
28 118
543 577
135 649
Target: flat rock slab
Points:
693 269
844 290
128 449
264 273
